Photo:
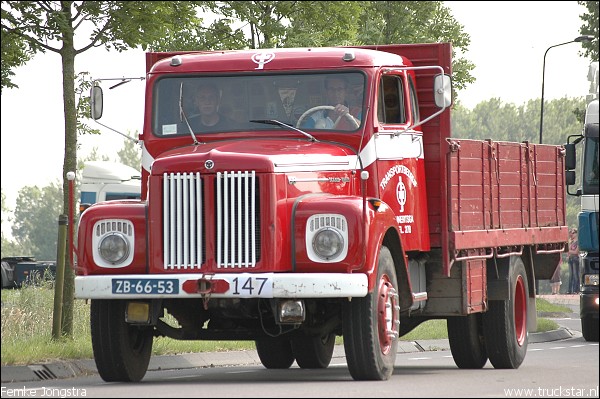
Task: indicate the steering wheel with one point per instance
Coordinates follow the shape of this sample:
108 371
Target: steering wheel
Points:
312 110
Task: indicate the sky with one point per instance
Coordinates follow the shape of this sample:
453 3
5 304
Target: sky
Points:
508 41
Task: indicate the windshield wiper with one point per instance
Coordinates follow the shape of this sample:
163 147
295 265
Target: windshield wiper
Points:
183 116
285 125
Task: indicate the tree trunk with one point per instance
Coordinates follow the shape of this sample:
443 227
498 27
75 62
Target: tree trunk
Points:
70 164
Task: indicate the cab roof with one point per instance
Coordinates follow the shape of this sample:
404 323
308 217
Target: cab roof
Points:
271 60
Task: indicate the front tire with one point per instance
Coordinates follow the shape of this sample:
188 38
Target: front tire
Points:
371 325
589 328
122 351
505 322
465 335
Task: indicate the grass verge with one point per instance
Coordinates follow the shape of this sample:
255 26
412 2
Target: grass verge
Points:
27 316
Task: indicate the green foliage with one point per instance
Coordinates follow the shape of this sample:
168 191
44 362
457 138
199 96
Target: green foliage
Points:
33 27
14 54
590 27
499 121
34 224
27 317
36 220
268 24
431 329
509 122
9 247
311 25
543 305
131 154
546 325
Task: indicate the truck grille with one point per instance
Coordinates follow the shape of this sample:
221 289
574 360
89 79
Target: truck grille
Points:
182 220
236 220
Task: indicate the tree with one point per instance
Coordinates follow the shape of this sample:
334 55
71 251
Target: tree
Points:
40 26
509 122
36 215
9 247
381 22
267 24
418 22
13 55
590 27
130 154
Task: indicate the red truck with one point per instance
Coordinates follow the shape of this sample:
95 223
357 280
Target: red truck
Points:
289 235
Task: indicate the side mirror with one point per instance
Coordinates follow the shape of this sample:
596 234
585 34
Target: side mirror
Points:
570 158
96 102
570 177
442 88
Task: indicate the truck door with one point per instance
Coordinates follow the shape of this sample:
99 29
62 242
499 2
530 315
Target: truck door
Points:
400 160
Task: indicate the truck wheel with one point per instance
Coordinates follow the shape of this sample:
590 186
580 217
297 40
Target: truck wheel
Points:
275 353
313 352
505 322
465 334
122 351
371 325
589 328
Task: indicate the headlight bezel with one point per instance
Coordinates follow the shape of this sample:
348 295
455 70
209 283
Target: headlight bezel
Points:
111 229
329 227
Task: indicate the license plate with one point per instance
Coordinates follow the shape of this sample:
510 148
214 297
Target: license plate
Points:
144 286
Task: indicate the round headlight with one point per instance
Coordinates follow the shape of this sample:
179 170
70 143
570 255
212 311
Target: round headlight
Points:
114 248
328 243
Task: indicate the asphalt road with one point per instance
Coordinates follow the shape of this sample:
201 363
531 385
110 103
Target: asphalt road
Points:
570 326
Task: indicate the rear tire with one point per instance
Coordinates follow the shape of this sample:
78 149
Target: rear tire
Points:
465 334
313 352
275 353
122 351
505 322
371 325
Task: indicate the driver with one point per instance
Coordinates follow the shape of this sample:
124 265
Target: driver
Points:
335 92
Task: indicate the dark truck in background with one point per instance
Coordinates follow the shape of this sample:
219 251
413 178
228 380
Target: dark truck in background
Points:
18 271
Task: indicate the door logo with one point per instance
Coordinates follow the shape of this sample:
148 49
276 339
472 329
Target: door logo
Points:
401 194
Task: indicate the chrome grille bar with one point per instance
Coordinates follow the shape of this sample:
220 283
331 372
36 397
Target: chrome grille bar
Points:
182 220
236 219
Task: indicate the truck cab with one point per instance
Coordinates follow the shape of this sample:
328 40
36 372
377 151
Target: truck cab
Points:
588 217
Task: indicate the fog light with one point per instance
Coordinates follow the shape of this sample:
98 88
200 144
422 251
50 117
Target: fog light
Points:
291 311
138 313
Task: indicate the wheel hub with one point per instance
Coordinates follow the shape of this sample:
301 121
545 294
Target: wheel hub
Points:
388 314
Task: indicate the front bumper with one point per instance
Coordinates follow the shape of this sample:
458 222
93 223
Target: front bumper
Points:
222 285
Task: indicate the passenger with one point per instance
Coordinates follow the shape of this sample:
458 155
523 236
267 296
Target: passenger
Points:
207 98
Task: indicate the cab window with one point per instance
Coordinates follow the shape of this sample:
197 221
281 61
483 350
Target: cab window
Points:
391 109
414 102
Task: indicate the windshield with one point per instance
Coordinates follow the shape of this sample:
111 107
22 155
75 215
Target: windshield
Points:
229 103
590 166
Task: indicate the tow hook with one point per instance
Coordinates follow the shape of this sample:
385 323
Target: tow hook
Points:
205 286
